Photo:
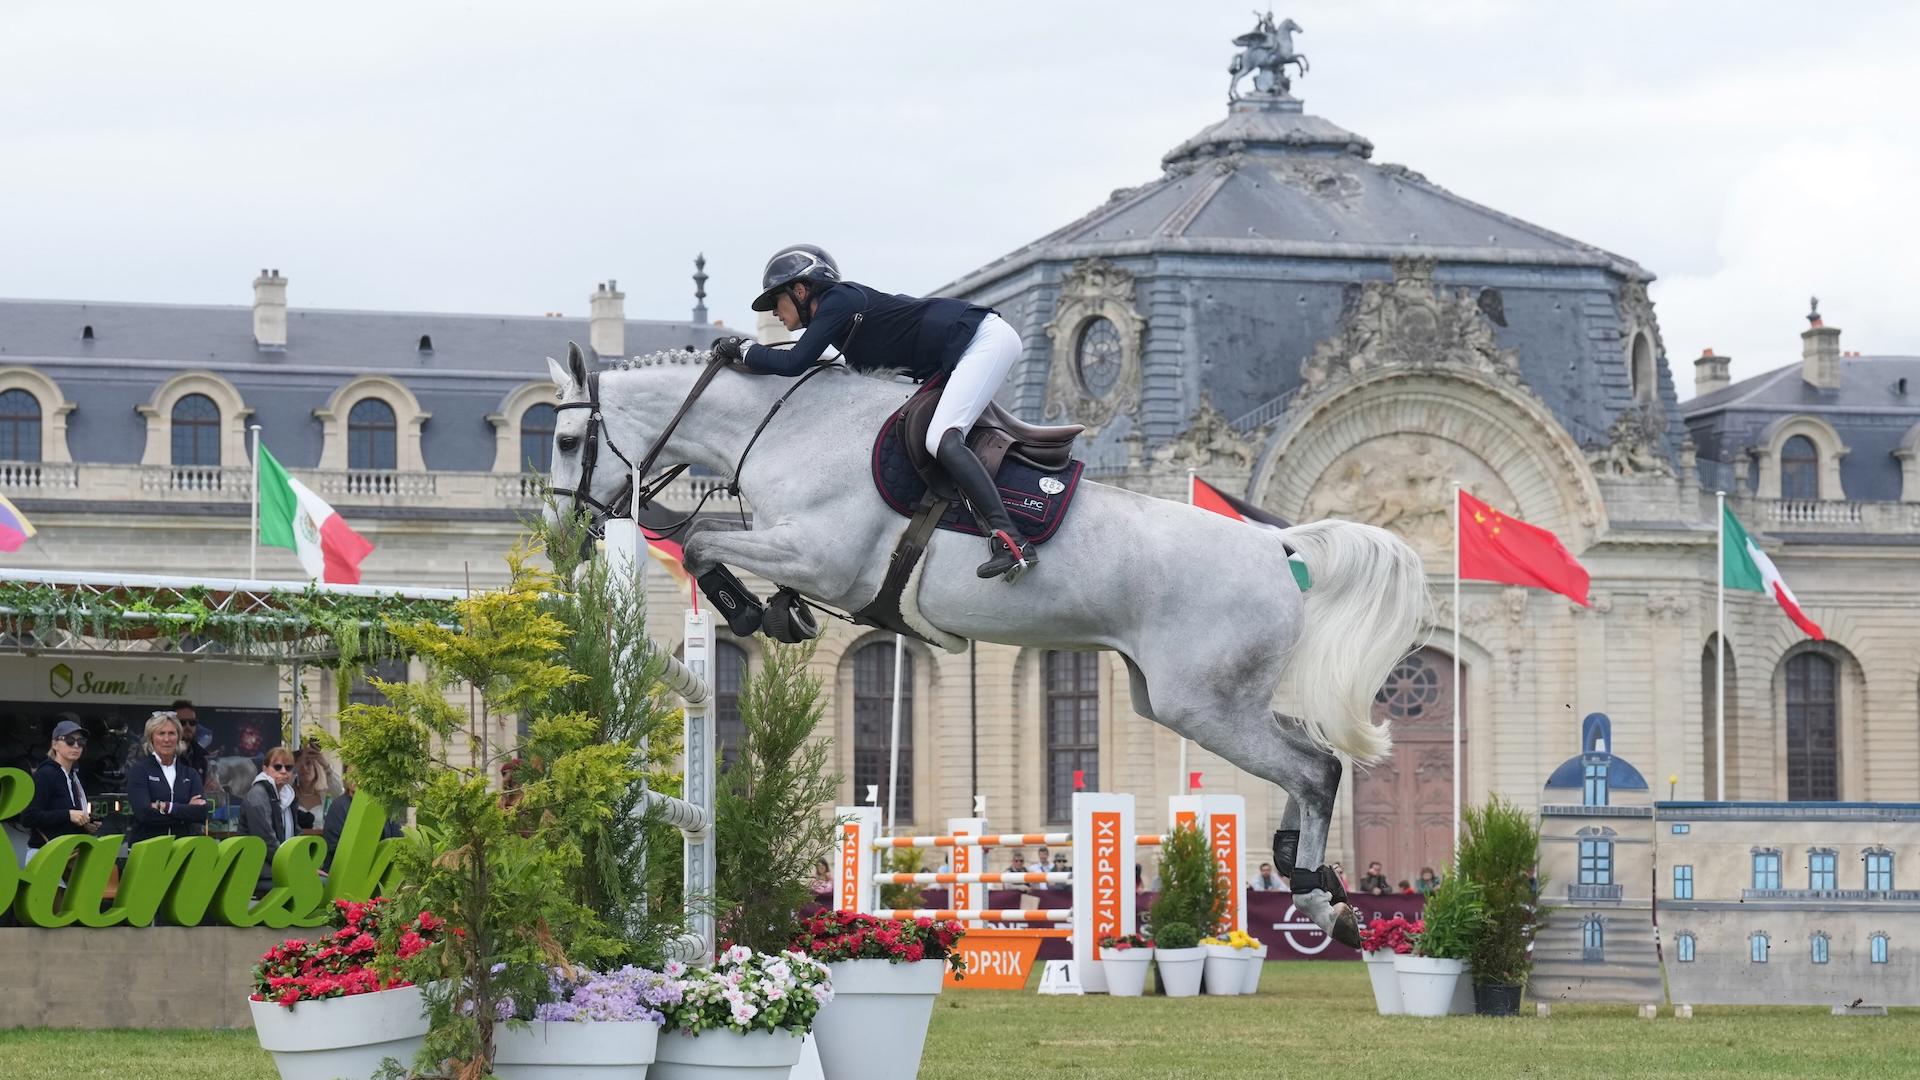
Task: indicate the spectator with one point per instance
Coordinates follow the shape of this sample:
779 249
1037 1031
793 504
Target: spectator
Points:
1406 888
60 806
1061 866
165 792
1266 880
1428 882
1042 861
1374 881
336 822
1139 878
1016 864
193 750
946 866
268 811
314 779
822 877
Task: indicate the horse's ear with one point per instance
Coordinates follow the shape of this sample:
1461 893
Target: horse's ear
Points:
577 364
561 381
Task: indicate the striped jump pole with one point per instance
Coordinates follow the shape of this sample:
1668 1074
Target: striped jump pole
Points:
1059 915
1028 877
1050 839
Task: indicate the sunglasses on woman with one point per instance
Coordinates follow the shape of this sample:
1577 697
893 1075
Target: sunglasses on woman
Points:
281 767
74 740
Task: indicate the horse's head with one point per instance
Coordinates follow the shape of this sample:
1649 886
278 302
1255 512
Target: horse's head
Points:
579 479
1288 26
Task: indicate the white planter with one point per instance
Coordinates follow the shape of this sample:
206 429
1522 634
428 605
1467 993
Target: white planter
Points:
341 1038
1226 969
575 1050
876 1025
1180 970
725 1055
1256 963
1126 970
1427 985
1386 985
1463 1004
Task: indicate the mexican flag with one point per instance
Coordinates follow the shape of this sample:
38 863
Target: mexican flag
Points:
293 517
1747 567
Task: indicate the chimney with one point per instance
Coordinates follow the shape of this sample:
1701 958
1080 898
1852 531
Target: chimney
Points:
1711 373
270 311
608 333
1820 352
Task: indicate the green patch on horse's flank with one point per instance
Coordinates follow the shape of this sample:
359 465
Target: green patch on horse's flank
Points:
1299 567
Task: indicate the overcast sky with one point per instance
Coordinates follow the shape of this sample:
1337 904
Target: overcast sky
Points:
502 157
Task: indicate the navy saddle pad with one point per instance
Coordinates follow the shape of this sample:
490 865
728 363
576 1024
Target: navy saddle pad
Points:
1036 499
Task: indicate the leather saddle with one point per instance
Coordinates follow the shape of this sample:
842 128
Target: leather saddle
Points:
996 436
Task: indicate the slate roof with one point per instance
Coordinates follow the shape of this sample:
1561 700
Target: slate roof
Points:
474 362
1272 180
1871 411
1596 737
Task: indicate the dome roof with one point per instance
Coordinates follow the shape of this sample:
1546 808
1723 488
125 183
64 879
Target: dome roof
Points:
1596 735
1271 179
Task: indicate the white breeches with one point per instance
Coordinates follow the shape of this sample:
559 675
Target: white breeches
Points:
975 379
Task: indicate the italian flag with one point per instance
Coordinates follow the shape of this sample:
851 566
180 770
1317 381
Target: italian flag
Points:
1747 567
293 517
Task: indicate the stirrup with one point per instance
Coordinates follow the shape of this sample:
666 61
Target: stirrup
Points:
1009 559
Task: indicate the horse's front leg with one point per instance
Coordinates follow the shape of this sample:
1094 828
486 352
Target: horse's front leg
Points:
787 553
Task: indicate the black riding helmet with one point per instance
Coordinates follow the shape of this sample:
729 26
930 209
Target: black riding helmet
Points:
796 262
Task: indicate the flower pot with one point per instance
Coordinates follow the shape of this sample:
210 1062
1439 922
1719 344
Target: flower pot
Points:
575 1050
1126 970
1386 986
1256 963
725 1055
1463 993
345 1037
1226 969
1496 999
1180 970
1427 984
876 1024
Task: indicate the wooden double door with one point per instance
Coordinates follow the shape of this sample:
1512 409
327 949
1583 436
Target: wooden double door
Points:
1403 807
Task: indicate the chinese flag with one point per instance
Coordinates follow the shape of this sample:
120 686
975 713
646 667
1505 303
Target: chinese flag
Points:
1495 547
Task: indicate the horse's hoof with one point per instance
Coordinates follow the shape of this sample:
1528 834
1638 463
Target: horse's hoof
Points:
1346 926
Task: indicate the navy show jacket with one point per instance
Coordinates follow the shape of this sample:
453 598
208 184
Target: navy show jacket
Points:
147 788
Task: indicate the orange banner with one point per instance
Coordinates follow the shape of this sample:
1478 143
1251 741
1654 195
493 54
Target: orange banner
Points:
1108 876
1226 854
997 959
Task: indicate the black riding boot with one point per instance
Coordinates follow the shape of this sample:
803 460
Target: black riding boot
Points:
1010 553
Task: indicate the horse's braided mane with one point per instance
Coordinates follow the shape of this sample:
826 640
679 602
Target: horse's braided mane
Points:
701 357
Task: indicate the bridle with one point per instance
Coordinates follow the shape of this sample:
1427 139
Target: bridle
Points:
582 491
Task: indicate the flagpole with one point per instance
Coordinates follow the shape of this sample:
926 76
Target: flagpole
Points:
1456 666
253 540
1720 654
1183 784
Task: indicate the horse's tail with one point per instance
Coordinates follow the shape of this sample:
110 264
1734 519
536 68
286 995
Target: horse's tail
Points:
1364 610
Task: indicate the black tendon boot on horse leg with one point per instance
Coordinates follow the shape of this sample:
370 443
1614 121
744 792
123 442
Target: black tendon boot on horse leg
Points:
1286 848
1011 554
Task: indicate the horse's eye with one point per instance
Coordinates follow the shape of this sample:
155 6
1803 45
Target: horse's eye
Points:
569 443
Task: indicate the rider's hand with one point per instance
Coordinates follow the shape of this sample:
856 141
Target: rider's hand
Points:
731 349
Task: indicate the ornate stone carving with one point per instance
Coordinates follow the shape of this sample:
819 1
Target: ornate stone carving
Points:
1404 482
1209 442
1632 447
1598 603
1093 291
1409 323
1666 607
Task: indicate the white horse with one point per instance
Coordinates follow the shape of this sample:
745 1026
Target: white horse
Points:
1202 609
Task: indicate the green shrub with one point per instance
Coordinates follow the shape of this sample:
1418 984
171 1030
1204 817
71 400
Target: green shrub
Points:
1452 919
906 860
1190 889
1500 846
1176 935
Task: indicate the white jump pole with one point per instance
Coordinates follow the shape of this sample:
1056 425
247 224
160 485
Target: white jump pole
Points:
893 739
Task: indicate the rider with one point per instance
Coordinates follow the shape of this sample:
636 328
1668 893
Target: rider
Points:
970 346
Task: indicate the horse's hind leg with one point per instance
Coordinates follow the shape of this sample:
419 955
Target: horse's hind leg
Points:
1310 775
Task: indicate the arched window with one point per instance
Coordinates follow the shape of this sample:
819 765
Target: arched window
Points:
1593 940
1757 946
196 431
372 435
1646 379
1799 469
1709 714
1683 947
1819 946
1877 948
1813 728
536 438
873 725
1073 728
729 676
19 426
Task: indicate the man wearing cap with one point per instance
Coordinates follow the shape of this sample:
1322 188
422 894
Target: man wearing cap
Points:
60 806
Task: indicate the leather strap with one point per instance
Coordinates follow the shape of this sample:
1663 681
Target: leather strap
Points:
884 609
1324 877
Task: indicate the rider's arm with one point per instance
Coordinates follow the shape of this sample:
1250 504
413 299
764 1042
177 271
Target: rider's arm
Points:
829 320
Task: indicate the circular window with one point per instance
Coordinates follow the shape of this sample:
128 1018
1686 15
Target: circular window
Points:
1412 689
1097 357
